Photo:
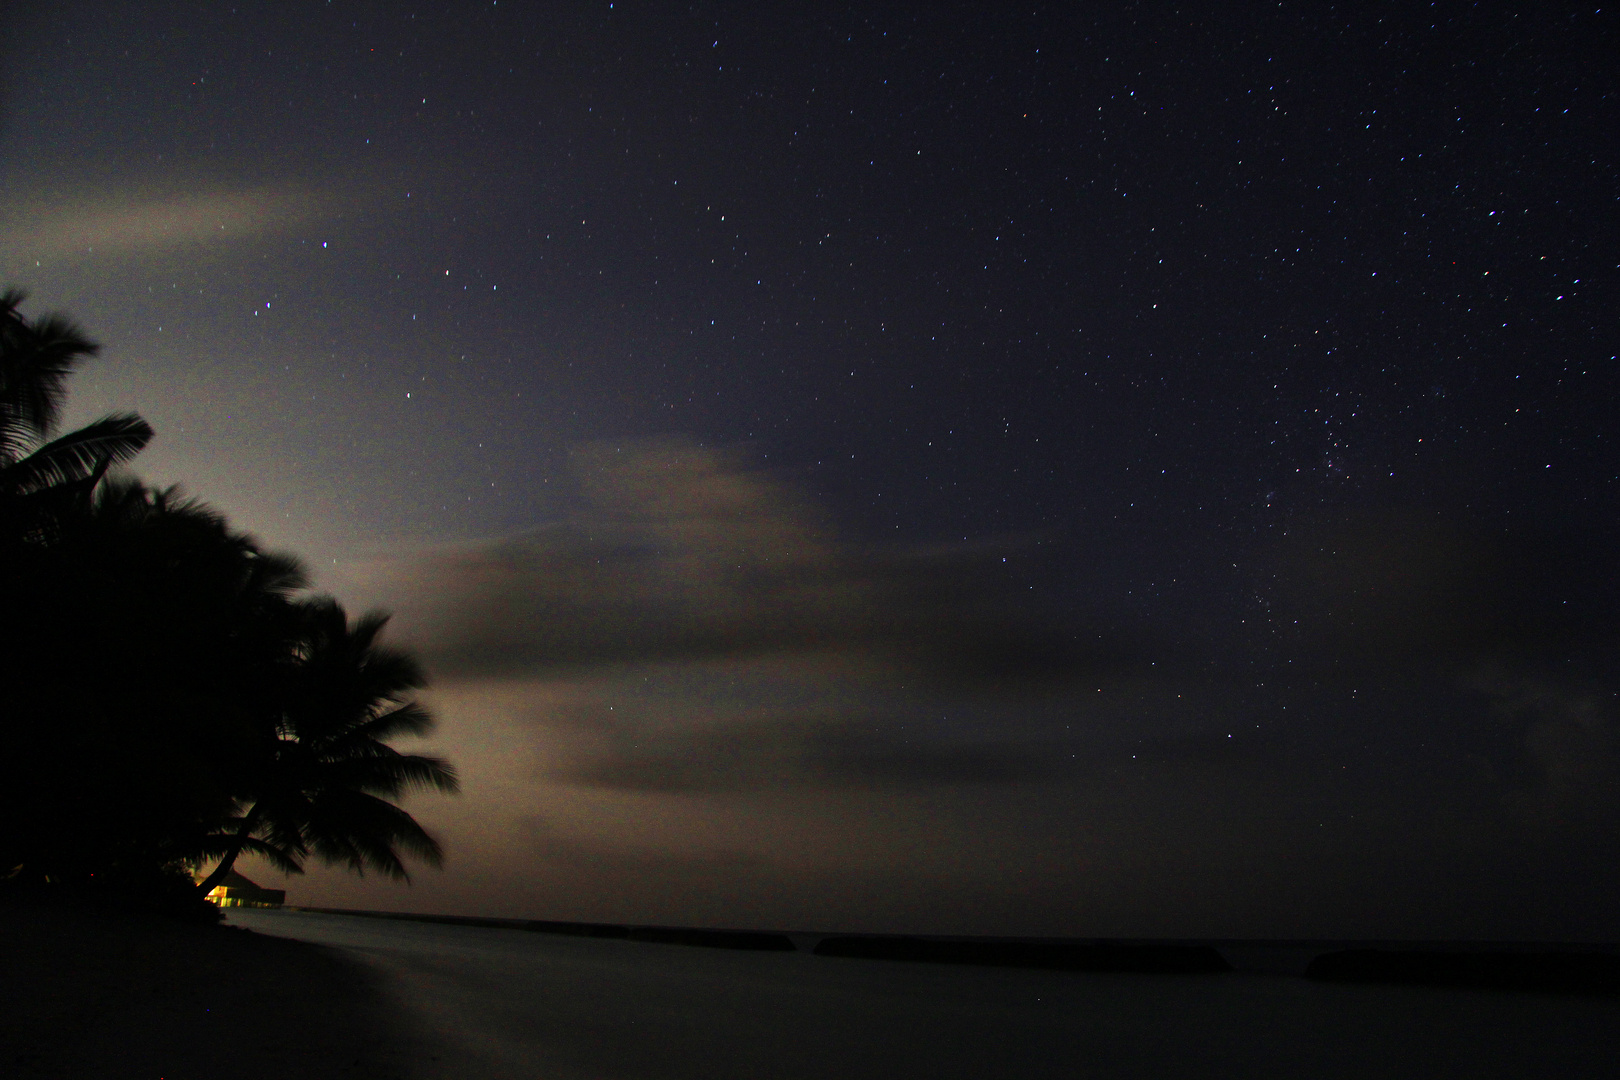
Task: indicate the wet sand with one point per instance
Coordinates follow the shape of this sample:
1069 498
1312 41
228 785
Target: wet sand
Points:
110 996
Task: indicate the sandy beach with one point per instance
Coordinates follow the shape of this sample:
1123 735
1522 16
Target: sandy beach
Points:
291 994
110 996
517 1005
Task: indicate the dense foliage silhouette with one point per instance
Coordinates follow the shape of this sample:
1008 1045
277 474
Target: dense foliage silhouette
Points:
172 695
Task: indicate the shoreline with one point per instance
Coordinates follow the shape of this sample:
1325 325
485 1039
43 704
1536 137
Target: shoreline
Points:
114 994
524 1005
1545 966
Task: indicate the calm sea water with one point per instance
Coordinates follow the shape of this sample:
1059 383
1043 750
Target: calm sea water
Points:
508 1003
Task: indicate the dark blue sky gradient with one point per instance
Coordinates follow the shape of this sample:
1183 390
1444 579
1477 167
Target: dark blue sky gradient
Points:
1266 351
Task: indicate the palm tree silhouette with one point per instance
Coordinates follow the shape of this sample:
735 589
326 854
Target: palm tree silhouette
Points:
47 491
169 699
36 358
329 779
144 651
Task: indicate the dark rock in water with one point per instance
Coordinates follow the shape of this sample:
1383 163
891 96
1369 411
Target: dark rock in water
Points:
578 929
713 939
412 916
1555 972
1057 956
668 935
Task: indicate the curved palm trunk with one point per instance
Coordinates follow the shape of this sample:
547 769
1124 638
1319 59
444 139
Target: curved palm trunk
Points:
228 860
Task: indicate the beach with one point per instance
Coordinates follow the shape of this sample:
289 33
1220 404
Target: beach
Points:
109 995
515 1004
296 994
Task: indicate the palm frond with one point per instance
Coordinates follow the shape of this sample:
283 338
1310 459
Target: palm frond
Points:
391 673
276 574
382 770
121 499
287 859
35 361
284 858
79 455
428 771
364 832
364 631
177 506
283 827
409 719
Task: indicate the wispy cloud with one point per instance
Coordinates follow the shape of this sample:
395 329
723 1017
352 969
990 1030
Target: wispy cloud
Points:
682 553
694 678
803 751
720 634
132 224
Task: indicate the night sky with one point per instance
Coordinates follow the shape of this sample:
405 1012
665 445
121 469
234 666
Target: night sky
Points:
1082 469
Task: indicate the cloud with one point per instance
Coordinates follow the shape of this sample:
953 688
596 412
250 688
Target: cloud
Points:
691 699
680 553
136 224
1414 594
778 753
1558 743
695 626
550 844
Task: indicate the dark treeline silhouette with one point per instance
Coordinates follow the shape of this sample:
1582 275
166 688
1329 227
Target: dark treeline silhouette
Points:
173 696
